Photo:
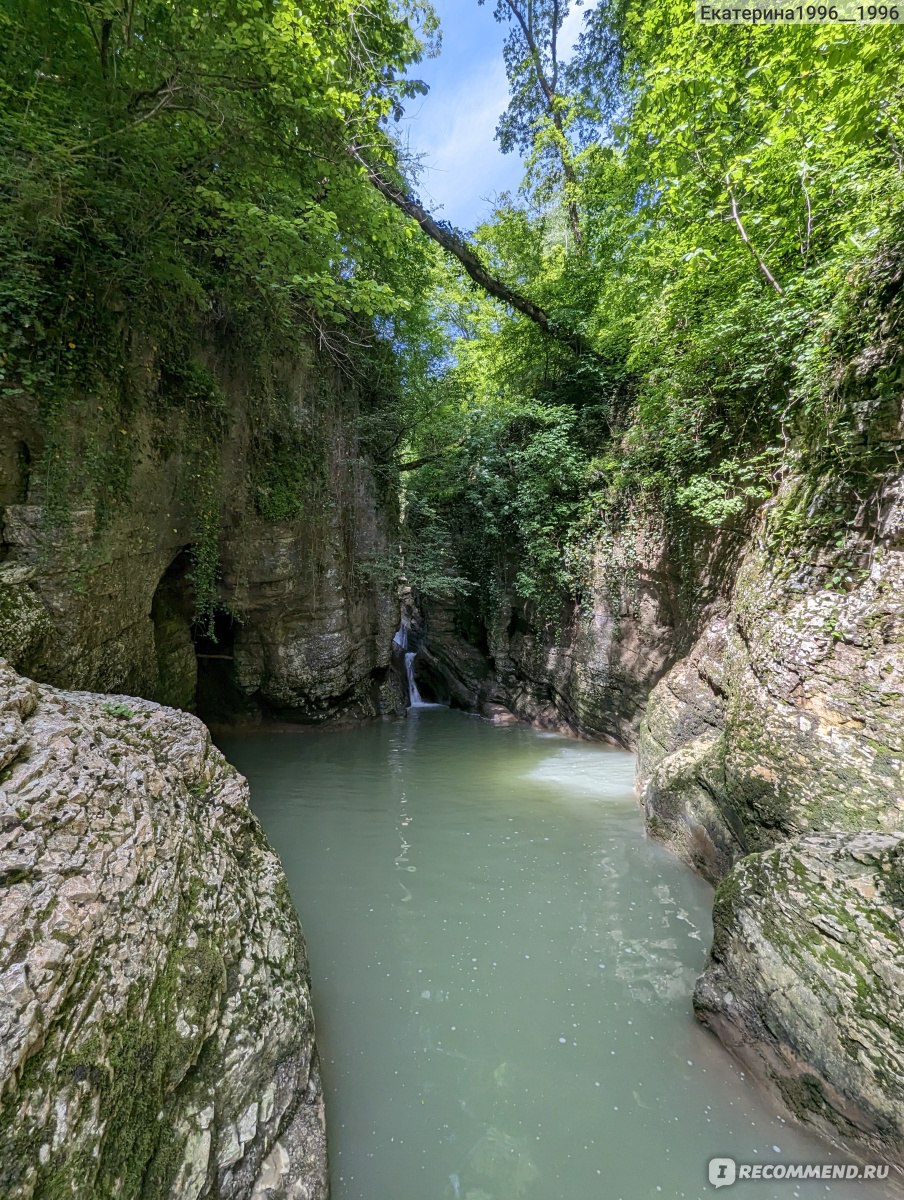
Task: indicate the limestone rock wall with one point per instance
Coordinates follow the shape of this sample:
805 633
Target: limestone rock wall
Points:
785 717
103 599
591 676
771 759
156 1033
805 984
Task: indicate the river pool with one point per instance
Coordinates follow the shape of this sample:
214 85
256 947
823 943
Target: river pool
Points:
503 965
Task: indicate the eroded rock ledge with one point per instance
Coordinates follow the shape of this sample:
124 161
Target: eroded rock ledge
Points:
785 717
805 983
156 1033
771 758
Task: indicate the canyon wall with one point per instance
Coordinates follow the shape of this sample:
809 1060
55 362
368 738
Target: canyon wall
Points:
766 704
209 540
785 717
276 519
589 673
805 981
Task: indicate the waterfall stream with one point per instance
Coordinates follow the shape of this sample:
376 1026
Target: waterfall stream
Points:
415 699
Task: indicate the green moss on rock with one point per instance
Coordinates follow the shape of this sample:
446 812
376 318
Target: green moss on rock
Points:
154 989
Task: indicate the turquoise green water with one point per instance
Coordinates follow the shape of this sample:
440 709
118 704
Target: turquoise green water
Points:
503 965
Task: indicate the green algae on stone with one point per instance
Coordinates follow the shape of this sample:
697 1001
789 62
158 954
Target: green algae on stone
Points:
156 1034
805 982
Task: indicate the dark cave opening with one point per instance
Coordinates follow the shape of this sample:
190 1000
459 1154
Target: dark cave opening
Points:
195 660
172 611
219 697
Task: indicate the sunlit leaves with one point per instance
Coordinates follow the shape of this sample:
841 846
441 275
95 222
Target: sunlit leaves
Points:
744 185
184 161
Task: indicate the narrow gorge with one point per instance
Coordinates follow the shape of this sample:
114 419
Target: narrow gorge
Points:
544 580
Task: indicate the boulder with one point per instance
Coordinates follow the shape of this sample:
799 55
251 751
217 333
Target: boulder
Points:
156 1032
805 982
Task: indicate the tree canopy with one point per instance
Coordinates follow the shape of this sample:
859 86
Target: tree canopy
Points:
739 193
168 160
709 225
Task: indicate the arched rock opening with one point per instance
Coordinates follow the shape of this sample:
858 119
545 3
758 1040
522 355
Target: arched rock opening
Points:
171 613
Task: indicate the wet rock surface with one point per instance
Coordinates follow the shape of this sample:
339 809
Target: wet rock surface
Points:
588 673
156 1033
805 984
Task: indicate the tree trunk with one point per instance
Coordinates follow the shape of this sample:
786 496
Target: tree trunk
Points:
470 260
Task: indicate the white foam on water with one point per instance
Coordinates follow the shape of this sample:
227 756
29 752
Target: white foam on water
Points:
607 775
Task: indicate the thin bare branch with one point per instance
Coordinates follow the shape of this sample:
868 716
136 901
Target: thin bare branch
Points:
805 248
736 217
167 100
554 47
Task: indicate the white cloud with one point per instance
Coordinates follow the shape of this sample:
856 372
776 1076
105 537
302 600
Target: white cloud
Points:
572 25
455 129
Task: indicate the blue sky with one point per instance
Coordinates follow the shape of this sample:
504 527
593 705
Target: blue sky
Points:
454 126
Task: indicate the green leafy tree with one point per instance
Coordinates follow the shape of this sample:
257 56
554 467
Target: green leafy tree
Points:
741 204
542 118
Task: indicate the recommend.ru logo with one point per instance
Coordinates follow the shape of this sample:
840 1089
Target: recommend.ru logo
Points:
723 1172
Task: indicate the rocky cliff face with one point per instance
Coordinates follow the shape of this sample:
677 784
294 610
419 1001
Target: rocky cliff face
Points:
784 718
592 676
156 1034
806 979
771 758
275 522
766 711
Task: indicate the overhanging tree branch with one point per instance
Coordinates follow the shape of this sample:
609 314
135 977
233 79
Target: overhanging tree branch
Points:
469 259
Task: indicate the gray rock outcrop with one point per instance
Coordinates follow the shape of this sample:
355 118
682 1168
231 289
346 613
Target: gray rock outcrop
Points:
805 983
156 1033
591 676
771 758
785 717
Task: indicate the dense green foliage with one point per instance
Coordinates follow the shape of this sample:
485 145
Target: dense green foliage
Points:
165 160
741 199
175 182
717 212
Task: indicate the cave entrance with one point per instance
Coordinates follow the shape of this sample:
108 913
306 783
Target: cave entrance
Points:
219 698
171 614
195 663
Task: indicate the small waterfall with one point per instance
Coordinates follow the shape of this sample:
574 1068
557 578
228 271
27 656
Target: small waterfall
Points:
415 699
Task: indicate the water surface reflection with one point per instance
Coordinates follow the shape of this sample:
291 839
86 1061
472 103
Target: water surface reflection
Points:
503 966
